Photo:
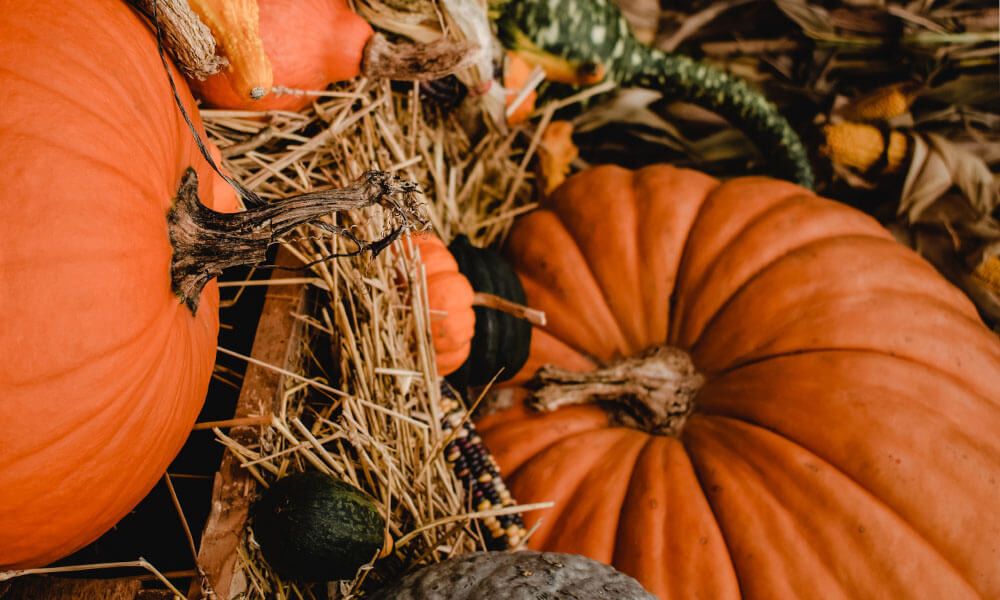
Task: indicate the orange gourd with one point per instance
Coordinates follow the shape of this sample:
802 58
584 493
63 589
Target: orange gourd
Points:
235 26
102 370
310 43
811 410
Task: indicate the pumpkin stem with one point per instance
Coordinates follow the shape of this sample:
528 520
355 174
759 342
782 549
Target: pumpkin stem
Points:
383 59
531 315
189 41
654 391
205 241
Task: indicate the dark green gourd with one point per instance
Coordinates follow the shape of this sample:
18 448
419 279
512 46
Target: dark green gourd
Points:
501 341
596 31
314 527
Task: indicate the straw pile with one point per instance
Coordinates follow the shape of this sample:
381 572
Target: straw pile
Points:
372 414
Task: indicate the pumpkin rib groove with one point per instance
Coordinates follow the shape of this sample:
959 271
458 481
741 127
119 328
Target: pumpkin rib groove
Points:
873 351
111 125
577 251
777 204
528 279
141 339
85 155
794 214
636 242
550 445
566 490
871 300
814 542
647 532
665 243
85 362
626 217
770 265
600 288
728 415
600 489
686 289
873 453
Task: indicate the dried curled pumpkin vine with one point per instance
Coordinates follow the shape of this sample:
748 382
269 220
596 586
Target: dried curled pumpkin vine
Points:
206 241
577 41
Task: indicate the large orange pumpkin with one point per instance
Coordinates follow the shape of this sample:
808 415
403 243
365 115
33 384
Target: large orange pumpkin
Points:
841 438
102 369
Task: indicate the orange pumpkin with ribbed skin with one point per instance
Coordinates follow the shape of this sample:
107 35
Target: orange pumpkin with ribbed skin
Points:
102 369
449 295
311 44
844 441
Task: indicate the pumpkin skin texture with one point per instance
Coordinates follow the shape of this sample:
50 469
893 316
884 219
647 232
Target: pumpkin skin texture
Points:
844 442
102 370
311 44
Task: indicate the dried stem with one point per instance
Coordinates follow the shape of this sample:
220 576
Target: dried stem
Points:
206 242
416 62
531 315
188 40
654 391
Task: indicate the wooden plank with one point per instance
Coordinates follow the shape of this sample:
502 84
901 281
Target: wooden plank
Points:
37 587
275 343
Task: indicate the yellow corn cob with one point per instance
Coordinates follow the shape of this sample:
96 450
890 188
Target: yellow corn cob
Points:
862 146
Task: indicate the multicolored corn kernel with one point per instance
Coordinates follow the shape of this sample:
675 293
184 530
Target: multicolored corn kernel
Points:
473 464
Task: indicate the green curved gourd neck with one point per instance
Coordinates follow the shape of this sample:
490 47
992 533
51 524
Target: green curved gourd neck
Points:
597 31
682 78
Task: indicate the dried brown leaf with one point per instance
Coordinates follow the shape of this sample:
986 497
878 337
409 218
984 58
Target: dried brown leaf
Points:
728 144
814 20
967 90
927 180
643 16
969 172
628 106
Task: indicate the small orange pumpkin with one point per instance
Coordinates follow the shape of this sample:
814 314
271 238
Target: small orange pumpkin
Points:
805 408
480 329
449 296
